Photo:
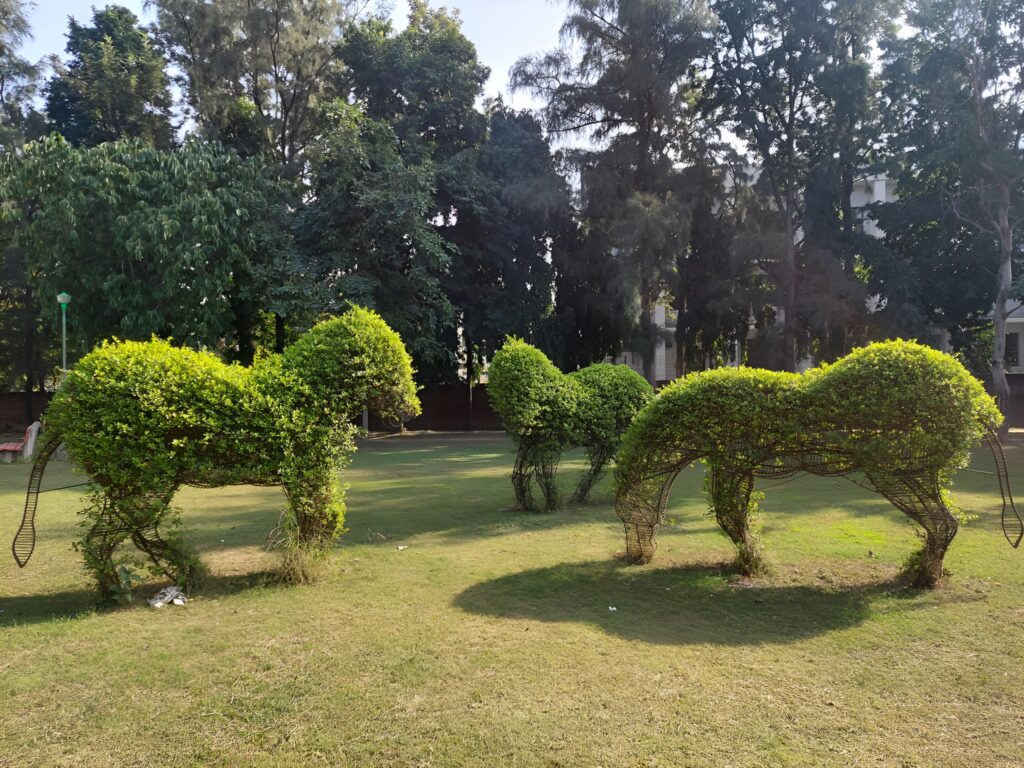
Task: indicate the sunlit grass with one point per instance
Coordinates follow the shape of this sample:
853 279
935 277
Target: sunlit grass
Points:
488 639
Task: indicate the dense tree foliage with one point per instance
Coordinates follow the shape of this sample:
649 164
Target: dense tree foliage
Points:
704 155
367 230
955 96
180 244
623 77
511 208
792 79
19 78
423 80
256 72
113 86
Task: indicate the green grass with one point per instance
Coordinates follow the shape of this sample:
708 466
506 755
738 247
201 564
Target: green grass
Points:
489 641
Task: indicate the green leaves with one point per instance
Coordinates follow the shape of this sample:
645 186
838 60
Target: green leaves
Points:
143 418
147 241
886 407
115 85
368 233
538 403
355 361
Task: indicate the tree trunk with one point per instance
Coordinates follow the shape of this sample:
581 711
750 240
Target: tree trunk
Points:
1004 279
245 321
789 297
30 355
647 332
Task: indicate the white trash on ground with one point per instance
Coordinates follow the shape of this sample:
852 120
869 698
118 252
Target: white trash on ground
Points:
168 595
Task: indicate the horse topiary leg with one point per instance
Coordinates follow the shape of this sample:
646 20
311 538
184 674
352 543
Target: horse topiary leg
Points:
312 524
920 498
640 543
138 517
731 491
641 507
98 546
547 466
170 557
522 474
599 456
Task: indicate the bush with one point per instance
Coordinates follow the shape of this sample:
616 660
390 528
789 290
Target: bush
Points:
547 412
143 418
356 361
535 400
612 397
904 415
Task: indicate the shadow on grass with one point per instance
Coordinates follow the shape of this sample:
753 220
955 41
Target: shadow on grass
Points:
75 603
672 606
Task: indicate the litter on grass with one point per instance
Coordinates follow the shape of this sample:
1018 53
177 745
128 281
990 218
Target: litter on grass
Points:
167 595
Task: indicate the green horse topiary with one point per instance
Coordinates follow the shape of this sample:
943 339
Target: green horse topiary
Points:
144 418
903 415
548 412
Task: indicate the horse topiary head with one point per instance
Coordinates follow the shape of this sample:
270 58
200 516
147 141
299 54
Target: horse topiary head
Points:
356 361
534 399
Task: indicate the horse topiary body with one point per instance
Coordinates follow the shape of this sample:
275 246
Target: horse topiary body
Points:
144 418
548 412
903 415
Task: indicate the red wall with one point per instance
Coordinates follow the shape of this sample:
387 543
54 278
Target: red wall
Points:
13 416
444 409
448 408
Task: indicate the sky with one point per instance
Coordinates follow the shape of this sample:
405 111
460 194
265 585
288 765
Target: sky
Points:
502 30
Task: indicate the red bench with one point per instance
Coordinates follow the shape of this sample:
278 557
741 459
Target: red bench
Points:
24 449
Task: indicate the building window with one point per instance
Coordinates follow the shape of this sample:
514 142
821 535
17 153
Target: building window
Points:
1012 359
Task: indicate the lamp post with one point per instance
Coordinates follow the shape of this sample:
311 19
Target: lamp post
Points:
64 298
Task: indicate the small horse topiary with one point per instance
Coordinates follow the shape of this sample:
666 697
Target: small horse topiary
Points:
548 412
144 418
903 415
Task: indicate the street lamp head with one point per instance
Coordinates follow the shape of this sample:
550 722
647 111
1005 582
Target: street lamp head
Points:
63 298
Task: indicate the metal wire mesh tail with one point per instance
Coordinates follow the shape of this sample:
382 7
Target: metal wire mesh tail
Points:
25 539
1004 489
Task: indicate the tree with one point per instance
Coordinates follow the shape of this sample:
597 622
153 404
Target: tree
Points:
21 340
18 78
510 205
592 314
717 287
791 79
257 72
624 78
174 243
113 86
424 80
956 87
257 75
932 271
366 230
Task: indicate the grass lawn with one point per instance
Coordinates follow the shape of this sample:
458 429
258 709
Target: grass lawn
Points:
488 639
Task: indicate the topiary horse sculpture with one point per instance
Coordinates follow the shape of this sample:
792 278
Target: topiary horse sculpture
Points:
548 412
903 415
144 418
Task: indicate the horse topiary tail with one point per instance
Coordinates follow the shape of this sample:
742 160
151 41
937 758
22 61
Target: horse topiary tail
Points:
25 539
1004 489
